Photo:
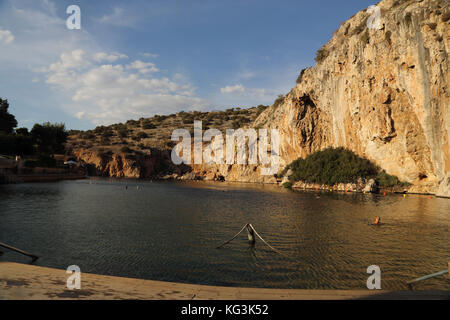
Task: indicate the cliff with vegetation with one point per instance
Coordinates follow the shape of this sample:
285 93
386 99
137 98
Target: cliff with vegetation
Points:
142 148
381 93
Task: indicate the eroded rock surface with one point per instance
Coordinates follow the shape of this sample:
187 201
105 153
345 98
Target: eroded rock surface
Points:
382 93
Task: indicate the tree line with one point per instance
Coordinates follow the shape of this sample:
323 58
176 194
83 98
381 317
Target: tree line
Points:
41 142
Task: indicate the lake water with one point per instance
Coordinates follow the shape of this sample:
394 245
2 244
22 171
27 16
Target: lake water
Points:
169 231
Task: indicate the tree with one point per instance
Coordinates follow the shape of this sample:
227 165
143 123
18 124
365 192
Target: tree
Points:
7 121
49 138
22 131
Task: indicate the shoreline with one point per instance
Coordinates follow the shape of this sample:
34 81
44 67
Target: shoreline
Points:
13 179
29 282
381 191
25 178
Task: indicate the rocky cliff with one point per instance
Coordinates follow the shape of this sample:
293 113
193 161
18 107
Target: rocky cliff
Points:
123 165
382 93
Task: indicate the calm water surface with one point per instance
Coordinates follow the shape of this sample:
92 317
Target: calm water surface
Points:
169 231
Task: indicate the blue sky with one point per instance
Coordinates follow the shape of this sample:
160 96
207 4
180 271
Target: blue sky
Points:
138 58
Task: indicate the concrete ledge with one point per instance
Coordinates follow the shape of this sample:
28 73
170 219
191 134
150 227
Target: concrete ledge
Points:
27 282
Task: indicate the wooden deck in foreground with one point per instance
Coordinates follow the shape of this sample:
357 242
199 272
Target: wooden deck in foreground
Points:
27 282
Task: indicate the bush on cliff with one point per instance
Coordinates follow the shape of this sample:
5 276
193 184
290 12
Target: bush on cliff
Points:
321 55
337 165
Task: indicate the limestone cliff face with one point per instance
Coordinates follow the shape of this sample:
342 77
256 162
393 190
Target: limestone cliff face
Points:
120 165
382 93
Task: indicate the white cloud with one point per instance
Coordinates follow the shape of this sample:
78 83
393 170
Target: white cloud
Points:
246 75
113 17
148 55
40 34
143 67
78 77
105 93
71 60
6 36
80 114
62 72
102 56
233 89
118 17
241 91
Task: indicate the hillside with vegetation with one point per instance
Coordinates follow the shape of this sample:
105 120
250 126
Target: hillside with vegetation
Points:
141 148
145 134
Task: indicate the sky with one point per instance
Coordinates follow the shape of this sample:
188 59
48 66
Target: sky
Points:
138 58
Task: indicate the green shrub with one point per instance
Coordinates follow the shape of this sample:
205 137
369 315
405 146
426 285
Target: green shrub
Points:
147 125
332 166
365 37
141 135
126 150
31 163
287 185
159 118
278 101
387 180
408 18
387 36
300 76
260 109
432 26
107 133
88 135
105 140
360 28
132 123
42 161
47 161
121 130
99 129
188 118
321 55
236 124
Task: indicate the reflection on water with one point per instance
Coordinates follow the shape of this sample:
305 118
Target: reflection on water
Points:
169 231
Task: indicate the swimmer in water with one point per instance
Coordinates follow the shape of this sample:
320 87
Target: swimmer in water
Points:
377 221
